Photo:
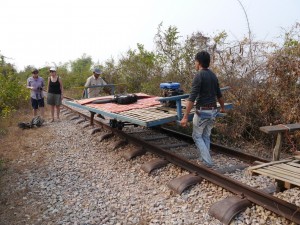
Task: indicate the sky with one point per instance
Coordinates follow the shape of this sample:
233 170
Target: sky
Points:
48 32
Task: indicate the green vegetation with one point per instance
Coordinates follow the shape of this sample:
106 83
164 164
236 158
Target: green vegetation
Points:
13 93
264 77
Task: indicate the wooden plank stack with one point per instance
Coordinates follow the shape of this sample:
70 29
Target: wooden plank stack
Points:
286 171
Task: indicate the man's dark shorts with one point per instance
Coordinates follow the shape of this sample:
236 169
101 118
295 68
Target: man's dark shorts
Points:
37 103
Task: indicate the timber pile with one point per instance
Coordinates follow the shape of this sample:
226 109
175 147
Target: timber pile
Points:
286 171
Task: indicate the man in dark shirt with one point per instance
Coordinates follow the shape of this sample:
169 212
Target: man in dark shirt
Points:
206 92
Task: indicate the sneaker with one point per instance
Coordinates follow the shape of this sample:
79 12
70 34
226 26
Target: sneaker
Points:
209 165
206 164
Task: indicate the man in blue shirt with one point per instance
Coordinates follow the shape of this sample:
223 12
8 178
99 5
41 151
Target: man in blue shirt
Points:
36 85
206 92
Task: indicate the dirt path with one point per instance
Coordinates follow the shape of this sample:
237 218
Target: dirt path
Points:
20 152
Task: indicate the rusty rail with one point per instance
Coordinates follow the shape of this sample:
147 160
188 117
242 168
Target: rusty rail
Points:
276 205
218 148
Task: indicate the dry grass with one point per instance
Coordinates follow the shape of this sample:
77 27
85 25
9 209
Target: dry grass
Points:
15 142
19 152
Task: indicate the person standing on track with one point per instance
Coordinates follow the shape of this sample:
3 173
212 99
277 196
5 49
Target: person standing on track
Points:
55 93
36 84
94 80
206 91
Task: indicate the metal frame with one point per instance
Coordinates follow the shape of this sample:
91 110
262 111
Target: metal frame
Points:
112 86
178 98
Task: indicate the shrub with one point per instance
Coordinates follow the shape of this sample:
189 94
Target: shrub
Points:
12 94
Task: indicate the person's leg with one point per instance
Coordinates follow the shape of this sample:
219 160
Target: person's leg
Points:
51 103
207 130
52 112
41 106
207 133
34 112
57 111
42 112
34 104
57 105
198 129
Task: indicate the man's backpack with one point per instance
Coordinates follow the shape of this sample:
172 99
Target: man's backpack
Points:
36 121
119 99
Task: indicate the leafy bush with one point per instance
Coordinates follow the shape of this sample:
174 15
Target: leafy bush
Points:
12 94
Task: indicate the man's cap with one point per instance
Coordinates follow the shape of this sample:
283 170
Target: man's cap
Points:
97 71
52 69
35 70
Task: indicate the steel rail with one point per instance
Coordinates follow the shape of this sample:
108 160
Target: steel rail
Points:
276 205
217 148
281 207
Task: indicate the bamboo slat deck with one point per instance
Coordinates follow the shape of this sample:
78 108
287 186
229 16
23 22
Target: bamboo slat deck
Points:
143 115
286 171
148 114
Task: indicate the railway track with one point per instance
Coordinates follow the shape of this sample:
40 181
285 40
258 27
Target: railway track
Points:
178 149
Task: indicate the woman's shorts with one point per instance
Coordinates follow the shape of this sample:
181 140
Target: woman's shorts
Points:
53 99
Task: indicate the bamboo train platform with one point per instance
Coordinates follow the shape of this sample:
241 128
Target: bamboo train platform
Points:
286 171
148 111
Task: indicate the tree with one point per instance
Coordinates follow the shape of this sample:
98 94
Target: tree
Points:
80 70
12 91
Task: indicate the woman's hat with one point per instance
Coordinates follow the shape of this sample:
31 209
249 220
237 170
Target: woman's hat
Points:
52 69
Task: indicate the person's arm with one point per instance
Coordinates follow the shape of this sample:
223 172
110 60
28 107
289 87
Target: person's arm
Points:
41 87
220 98
103 81
85 90
221 101
107 90
29 85
61 89
196 85
48 84
88 82
188 109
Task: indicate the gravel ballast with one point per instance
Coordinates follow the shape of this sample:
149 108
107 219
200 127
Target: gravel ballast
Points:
66 176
